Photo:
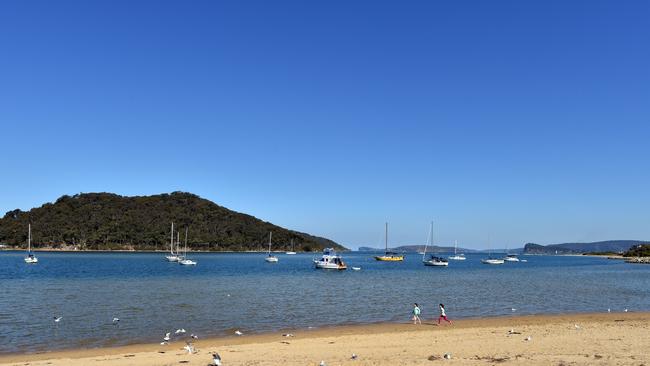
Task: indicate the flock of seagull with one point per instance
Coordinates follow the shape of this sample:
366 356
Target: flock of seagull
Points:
216 358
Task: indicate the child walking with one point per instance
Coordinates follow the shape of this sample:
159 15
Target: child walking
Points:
416 314
443 315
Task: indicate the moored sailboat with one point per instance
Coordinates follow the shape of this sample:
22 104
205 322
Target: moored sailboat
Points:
456 256
186 261
389 256
270 258
172 257
434 261
31 258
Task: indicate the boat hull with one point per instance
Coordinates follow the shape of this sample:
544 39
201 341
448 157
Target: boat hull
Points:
436 264
271 259
187 262
31 260
340 267
457 258
492 261
384 258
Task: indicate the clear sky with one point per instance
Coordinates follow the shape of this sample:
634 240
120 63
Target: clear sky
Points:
524 121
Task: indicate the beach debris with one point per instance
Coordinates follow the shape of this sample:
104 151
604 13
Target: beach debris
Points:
116 320
194 336
167 337
285 342
239 333
288 335
189 347
163 343
625 310
57 318
576 326
216 359
447 356
512 331
433 358
354 356
322 363
528 339
180 331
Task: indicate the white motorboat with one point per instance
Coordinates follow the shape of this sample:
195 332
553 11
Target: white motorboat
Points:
436 262
433 261
330 260
491 260
270 258
511 258
456 256
31 258
184 260
291 252
172 257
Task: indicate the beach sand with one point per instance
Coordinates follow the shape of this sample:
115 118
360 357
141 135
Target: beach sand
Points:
599 339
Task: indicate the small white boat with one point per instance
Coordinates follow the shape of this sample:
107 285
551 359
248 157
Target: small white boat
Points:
356 268
291 252
184 261
523 260
456 256
31 258
172 257
433 261
492 261
330 260
511 258
436 262
271 258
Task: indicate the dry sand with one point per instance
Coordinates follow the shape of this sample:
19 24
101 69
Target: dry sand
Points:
599 339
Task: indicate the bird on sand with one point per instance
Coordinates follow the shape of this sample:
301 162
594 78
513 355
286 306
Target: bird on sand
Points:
239 333
189 347
194 336
529 338
178 331
116 320
216 359
167 337
57 319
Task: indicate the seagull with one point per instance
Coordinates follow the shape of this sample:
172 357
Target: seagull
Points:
163 343
228 295
287 335
180 331
239 333
512 331
625 310
216 359
354 356
447 356
58 318
116 320
577 326
167 335
194 336
322 363
513 309
189 347
609 310
528 338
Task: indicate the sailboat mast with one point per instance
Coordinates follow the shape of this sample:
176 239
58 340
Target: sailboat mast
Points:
186 240
178 242
270 236
171 240
29 238
431 239
386 238
455 246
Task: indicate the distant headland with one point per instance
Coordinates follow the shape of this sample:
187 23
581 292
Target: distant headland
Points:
107 221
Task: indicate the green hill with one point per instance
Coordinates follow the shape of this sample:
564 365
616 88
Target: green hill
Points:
106 221
615 246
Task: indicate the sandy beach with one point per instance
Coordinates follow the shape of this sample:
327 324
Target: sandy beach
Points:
574 339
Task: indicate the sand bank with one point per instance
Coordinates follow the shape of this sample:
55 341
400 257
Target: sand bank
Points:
598 339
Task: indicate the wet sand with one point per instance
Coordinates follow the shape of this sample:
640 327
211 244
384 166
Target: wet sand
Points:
598 339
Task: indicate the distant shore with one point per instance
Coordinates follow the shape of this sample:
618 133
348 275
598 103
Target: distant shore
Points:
578 339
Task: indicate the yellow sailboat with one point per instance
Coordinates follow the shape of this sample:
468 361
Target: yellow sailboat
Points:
389 256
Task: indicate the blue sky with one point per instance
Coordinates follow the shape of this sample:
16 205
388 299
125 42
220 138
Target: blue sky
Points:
524 121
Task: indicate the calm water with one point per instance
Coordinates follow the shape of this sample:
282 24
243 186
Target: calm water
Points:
225 292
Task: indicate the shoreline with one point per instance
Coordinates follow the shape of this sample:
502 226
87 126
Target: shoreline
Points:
315 341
